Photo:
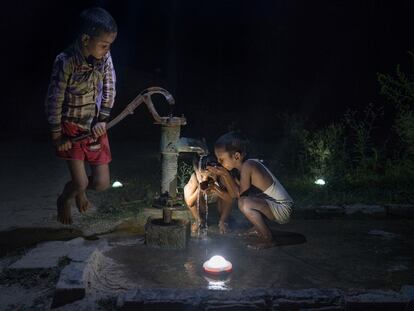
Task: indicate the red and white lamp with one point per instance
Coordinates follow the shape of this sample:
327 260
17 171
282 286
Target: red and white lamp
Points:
217 265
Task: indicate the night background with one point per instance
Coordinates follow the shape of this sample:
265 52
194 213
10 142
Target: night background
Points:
229 64
324 90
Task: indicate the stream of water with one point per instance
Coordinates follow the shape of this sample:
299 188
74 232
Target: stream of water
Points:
202 230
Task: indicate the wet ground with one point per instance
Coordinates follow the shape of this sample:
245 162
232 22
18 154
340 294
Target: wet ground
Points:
324 253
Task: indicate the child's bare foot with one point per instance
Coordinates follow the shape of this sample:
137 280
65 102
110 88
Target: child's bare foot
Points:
250 232
194 227
262 244
224 227
82 203
64 213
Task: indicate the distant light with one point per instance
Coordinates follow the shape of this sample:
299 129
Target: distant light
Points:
320 182
217 264
117 184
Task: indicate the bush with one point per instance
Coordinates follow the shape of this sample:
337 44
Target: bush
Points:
399 91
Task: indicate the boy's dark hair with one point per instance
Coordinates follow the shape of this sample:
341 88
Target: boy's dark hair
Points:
233 142
96 20
204 161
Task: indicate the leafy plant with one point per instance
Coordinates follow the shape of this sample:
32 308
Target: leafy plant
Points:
399 90
293 144
325 152
183 175
364 154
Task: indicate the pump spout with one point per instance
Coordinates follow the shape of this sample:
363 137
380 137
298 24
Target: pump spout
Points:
186 144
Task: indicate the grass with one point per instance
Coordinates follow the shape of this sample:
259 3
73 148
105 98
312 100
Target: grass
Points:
306 193
129 201
141 183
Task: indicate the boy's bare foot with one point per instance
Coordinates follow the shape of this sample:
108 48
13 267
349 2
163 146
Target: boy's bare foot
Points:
250 232
82 203
262 244
194 227
64 213
224 227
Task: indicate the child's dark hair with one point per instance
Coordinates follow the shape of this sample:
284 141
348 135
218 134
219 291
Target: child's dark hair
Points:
204 161
95 21
233 142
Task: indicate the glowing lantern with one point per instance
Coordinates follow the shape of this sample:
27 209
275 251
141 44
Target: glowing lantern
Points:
320 182
217 265
117 184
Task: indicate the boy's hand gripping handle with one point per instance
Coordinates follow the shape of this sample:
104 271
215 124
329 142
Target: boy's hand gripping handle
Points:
144 96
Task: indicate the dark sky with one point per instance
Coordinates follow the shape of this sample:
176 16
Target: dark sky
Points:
226 62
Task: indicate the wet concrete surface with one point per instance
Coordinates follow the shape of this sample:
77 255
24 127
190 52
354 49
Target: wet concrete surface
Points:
318 253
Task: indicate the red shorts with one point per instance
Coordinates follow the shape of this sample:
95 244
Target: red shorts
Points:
94 153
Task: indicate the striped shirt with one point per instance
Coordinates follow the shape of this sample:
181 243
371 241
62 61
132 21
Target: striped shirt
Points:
80 90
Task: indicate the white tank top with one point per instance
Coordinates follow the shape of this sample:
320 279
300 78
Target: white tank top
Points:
275 190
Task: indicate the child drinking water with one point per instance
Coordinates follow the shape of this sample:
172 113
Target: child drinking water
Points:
273 202
203 182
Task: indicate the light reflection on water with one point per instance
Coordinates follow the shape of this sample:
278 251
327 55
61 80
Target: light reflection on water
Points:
218 283
194 273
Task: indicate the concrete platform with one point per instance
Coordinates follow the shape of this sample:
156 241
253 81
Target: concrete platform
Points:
335 253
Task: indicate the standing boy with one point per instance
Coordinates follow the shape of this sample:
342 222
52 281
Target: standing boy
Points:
80 96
